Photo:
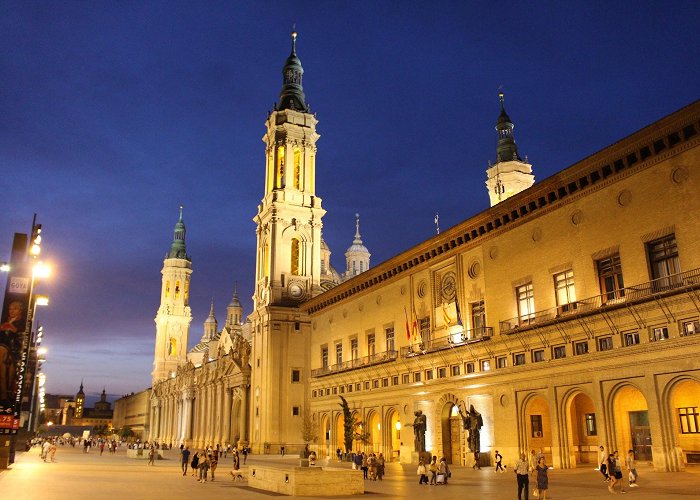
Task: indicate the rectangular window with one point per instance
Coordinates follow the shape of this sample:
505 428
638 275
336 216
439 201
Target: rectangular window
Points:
296 375
691 327
559 352
536 425
518 359
591 429
538 355
342 389
297 326
416 377
385 382
395 380
663 263
405 378
335 390
658 333
478 317
565 291
349 389
501 362
367 385
428 374
630 338
328 392
296 411
689 420
375 384
454 370
425 329
324 356
485 365
358 387
390 338
313 394
354 349
610 277
442 372
580 348
469 367
339 353
371 346
526 303
605 343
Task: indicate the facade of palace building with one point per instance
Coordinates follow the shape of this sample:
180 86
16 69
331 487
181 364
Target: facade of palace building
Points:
566 314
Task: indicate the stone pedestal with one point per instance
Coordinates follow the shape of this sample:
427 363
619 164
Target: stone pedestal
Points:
306 481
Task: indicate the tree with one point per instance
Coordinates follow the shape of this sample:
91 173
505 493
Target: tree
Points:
309 428
360 433
348 425
126 432
101 430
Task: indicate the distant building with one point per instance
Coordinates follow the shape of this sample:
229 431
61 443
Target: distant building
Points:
75 413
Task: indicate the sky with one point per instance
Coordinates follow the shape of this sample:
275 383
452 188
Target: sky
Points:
112 114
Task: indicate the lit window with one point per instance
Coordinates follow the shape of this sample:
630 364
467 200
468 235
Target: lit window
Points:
371 346
631 338
294 268
658 333
689 420
610 277
297 168
565 291
664 263
526 303
280 167
591 429
536 425
485 365
691 327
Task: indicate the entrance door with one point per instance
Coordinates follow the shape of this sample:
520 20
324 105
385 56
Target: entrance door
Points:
641 435
455 447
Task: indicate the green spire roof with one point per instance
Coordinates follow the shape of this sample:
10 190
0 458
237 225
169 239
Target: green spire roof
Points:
177 249
506 149
292 95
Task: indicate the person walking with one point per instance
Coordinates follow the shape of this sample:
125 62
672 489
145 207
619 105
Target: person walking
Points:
443 470
214 462
185 459
522 473
203 467
194 464
151 455
422 472
604 464
433 467
364 465
542 479
245 454
632 470
499 460
45 450
380 466
615 471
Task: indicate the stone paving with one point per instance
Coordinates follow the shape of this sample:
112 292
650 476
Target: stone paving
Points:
91 476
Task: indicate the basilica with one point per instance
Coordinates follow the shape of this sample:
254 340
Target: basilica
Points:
567 314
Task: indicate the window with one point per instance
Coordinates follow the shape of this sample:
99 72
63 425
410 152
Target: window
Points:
395 380
367 385
442 372
385 382
663 262
538 355
375 384
610 276
314 394
605 343
559 352
405 378
339 353
280 167
658 333
297 168
296 375
691 327
454 370
354 349
389 338
416 377
297 326
580 348
335 390
689 420
349 389
519 359
371 346
469 367
565 291
501 362
294 264
425 329
630 338
485 365
590 425
478 317
428 374
324 357
536 425
526 303
342 389
328 392
358 387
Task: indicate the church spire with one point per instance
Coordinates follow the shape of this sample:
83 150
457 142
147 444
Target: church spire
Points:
357 256
177 249
506 149
292 95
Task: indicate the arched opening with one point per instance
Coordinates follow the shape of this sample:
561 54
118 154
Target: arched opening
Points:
582 432
538 426
374 430
339 438
451 424
392 435
685 412
631 417
297 168
325 437
235 436
294 264
280 167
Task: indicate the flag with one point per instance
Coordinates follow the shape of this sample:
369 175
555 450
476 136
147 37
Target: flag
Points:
408 330
416 331
445 315
459 315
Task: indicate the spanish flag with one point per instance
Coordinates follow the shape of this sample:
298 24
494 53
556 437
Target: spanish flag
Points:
408 329
445 315
416 331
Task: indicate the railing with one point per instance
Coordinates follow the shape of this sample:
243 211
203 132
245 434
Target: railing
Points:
447 342
626 295
353 364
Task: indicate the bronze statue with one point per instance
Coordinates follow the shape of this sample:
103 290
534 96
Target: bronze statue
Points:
472 422
420 424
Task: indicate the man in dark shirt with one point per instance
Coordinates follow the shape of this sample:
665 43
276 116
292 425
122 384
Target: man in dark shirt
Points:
185 456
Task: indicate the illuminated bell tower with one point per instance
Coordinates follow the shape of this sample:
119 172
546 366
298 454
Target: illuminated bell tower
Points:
510 174
288 263
80 402
174 316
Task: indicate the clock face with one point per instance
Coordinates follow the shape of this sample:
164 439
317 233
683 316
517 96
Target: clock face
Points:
448 287
295 291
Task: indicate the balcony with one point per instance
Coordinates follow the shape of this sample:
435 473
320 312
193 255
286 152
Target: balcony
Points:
625 296
447 342
353 364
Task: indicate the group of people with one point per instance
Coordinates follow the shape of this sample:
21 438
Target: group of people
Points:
439 471
536 466
205 462
611 469
371 465
48 450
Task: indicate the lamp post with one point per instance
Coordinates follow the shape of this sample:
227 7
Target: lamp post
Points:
40 357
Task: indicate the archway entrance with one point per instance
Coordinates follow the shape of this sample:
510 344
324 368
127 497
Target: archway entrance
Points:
582 432
451 424
325 436
538 426
632 422
685 411
374 430
392 435
339 438
235 433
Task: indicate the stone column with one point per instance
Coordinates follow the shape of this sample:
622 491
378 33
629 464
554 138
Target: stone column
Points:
244 413
226 439
220 413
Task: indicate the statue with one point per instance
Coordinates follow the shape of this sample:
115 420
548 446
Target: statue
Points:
420 424
472 422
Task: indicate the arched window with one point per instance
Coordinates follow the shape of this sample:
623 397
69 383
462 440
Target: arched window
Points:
361 266
280 167
266 260
177 289
167 289
295 257
297 168
270 170
187 289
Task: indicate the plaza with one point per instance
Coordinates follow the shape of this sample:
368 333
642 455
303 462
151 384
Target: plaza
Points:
91 476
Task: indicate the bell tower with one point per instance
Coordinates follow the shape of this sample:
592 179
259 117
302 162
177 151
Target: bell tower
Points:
288 266
510 174
174 315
